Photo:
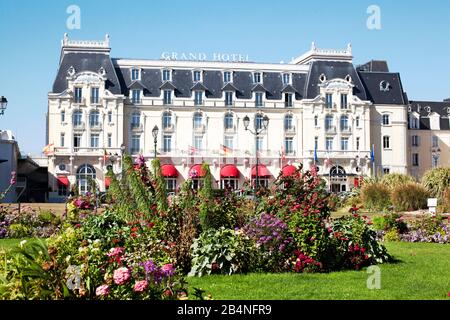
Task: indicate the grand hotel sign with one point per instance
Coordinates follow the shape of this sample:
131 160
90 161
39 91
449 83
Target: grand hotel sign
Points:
202 56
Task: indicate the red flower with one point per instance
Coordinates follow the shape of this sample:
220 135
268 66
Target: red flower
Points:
134 229
150 225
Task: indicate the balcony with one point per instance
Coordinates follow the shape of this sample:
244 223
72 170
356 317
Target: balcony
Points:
136 127
96 126
330 129
79 101
95 102
169 128
200 128
231 129
346 130
79 126
136 100
289 130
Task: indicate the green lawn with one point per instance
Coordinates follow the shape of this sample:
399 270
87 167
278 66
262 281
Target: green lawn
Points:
7 244
422 273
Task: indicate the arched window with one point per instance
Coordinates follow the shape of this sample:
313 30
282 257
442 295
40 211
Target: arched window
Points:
344 123
167 120
85 178
384 85
328 122
288 122
198 119
385 119
228 121
337 171
94 117
77 117
135 119
259 121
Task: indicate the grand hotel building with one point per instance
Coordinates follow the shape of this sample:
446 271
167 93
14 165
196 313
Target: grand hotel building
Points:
322 109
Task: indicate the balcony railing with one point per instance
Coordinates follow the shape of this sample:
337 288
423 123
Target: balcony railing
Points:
137 126
289 129
330 129
169 128
346 129
200 128
96 126
79 101
78 126
231 129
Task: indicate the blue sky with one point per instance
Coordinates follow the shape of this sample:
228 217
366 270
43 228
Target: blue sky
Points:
414 38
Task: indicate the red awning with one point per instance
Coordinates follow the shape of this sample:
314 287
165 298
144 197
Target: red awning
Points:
196 171
107 182
62 180
169 171
262 171
229 171
288 170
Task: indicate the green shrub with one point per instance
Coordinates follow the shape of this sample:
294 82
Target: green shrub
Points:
394 221
428 225
378 223
395 180
444 205
392 235
375 196
436 180
220 251
48 217
409 197
18 230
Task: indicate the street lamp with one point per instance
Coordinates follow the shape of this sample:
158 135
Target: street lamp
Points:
155 136
3 104
122 151
258 129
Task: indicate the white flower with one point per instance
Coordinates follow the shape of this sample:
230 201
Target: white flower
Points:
22 243
68 259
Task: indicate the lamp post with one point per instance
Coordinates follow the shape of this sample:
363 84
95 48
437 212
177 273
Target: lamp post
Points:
155 137
257 131
122 151
3 104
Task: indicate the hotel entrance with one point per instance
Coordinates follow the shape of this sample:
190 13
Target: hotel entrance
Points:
337 179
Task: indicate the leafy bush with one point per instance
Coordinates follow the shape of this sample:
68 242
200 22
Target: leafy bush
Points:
394 180
409 197
18 230
392 235
444 205
375 196
436 181
220 251
393 221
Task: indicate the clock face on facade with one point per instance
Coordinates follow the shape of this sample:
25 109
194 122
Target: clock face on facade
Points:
62 167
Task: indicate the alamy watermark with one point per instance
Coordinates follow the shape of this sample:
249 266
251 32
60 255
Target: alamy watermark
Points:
374 19
374 278
74 19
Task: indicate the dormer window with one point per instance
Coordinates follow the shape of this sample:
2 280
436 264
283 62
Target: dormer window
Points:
227 76
198 98
166 75
288 100
257 77
135 74
136 96
167 97
228 98
258 99
197 76
384 86
322 78
78 95
94 95
286 78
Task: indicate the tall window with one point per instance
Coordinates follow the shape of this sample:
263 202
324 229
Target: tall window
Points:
259 143
94 95
357 143
94 118
228 121
357 122
228 98
415 141
167 96
135 143
77 140
414 122
289 145
198 98
316 143
198 119
110 117
258 99
415 159
61 142
135 120
85 177
198 142
227 76
344 144
63 116
259 121
166 75
135 74
328 122
228 141
288 122
78 95
288 100
329 100
136 96
167 120
197 76
344 123
434 161
329 143
385 120
435 142
286 78
167 143
257 77
109 140
76 118
343 101
94 140
316 121
386 142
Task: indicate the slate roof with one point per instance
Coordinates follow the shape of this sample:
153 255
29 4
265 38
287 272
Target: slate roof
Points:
86 61
333 70
441 108
258 88
199 86
374 66
395 94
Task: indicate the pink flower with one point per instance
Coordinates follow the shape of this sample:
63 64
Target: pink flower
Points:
168 269
140 286
116 252
121 275
103 290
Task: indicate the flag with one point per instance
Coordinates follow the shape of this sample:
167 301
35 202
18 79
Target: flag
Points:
316 159
192 150
372 154
225 149
49 149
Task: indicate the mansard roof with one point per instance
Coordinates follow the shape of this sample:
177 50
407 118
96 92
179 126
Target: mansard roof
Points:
288 88
167 85
198 86
86 61
427 108
259 88
229 87
136 84
393 94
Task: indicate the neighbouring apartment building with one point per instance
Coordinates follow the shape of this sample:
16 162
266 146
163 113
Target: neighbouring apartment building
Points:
322 111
